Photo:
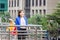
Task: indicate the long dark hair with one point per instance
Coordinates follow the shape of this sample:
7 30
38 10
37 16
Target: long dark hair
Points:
19 11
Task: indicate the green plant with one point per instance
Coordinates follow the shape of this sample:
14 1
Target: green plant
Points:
5 16
38 19
54 22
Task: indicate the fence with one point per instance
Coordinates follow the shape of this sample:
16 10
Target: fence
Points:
34 32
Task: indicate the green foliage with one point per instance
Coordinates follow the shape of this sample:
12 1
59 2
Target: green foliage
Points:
38 19
44 23
49 22
35 19
5 16
54 21
56 15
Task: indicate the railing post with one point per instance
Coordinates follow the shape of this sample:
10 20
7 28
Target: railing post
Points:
35 33
0 32
28 32
9 34
41 33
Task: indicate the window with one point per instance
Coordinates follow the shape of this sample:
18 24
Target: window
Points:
29 2
32 2
32 12
12 11
2 5
44 11
14 3
44 2
9 11
27 12
9 3
40 2
40 11
36 2
18 3
15 13
36 11
26 3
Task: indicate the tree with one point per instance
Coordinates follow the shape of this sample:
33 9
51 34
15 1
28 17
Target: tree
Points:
39 20
54 22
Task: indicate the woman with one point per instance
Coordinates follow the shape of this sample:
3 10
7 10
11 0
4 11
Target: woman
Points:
21 20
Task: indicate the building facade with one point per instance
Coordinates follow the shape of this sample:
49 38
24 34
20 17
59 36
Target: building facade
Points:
31 7
42 6
14 6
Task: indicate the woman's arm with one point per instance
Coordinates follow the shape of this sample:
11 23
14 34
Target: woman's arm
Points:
17 23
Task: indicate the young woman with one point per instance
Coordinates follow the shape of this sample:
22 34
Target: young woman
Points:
21 20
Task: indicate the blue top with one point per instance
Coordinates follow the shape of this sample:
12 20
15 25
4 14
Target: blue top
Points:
18 22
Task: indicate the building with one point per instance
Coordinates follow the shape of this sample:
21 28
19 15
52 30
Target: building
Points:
14 6
31 7
42 6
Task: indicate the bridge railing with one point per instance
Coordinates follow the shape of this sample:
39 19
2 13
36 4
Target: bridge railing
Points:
34 32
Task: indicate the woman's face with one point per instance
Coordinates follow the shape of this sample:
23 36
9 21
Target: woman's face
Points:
22 14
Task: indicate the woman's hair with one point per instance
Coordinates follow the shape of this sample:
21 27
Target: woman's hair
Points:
19 11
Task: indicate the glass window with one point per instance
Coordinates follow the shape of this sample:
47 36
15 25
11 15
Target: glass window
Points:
12 3
36 11
44 2
9 11
32 12
9 3
26 3
2 5
40 2
44 11
36 2
40 11
18 2
12 12
29 2
32 2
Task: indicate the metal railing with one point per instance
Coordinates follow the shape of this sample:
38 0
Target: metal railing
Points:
34 32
